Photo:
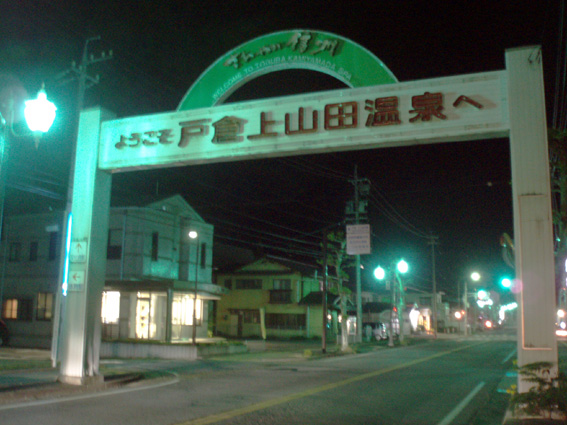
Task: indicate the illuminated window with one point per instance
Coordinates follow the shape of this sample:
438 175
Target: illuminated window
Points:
17 309
44 306
182 310
10 309
110 311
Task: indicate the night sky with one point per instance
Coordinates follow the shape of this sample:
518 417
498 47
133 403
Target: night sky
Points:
460 192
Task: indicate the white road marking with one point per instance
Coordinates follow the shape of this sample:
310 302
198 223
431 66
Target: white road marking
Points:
459 408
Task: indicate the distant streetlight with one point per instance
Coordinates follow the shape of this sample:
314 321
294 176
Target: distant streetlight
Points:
194 235
475 277
394 273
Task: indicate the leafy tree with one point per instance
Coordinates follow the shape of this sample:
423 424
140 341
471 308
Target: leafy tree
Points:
547 397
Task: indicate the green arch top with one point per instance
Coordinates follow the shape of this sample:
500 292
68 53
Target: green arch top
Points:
294 49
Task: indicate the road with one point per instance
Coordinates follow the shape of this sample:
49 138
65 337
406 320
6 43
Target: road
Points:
434 382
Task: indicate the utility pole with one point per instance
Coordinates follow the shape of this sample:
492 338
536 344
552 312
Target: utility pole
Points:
325 281
361 189
433 240
85 81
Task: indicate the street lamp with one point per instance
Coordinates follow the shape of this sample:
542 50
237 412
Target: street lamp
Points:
475 277
39 114
194 235
394 274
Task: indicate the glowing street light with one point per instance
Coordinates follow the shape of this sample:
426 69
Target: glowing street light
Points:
402 266
40 113
380 274
506 283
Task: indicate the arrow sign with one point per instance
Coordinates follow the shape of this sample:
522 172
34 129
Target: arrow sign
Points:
76 280
78 252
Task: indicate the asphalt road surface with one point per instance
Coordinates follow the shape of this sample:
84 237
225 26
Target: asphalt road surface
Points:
437 382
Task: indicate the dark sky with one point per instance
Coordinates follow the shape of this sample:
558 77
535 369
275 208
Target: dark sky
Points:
460 191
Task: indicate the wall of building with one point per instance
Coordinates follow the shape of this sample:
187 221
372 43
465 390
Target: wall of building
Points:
28 272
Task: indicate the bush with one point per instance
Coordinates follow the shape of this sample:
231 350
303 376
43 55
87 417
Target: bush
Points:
547 397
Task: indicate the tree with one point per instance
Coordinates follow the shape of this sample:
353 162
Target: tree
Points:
338 261
557 140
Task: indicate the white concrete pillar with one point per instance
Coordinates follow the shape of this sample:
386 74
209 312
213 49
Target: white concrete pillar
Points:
80 329
533 231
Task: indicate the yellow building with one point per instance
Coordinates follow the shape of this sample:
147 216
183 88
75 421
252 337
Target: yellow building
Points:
265 300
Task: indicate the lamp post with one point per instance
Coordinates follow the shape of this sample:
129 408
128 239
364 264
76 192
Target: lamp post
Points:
39 114
475 277
393 274
194 235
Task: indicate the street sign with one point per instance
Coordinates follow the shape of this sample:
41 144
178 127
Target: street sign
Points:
78 252
76 280
358 239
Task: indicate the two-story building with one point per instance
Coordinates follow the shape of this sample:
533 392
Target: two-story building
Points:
154 273
264 300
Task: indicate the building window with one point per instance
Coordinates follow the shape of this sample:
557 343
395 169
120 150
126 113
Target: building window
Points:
110 311
228 283
248 316
33 250
114 245
44 306
282 284
182 310
248 283
203 255
10 309
280 297
155 240
15 248
17 309
53 245
285 321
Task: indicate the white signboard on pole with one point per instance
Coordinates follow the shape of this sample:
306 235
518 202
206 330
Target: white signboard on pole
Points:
358 239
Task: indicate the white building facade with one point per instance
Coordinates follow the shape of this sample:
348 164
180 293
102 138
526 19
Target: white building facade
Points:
153 272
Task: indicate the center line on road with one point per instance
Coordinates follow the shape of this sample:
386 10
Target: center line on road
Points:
276 401
459 408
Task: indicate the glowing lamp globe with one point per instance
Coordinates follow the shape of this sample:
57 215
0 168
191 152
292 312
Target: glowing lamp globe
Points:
40 113
403 266
379 273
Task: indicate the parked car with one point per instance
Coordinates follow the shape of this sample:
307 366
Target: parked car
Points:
379 330
4 334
